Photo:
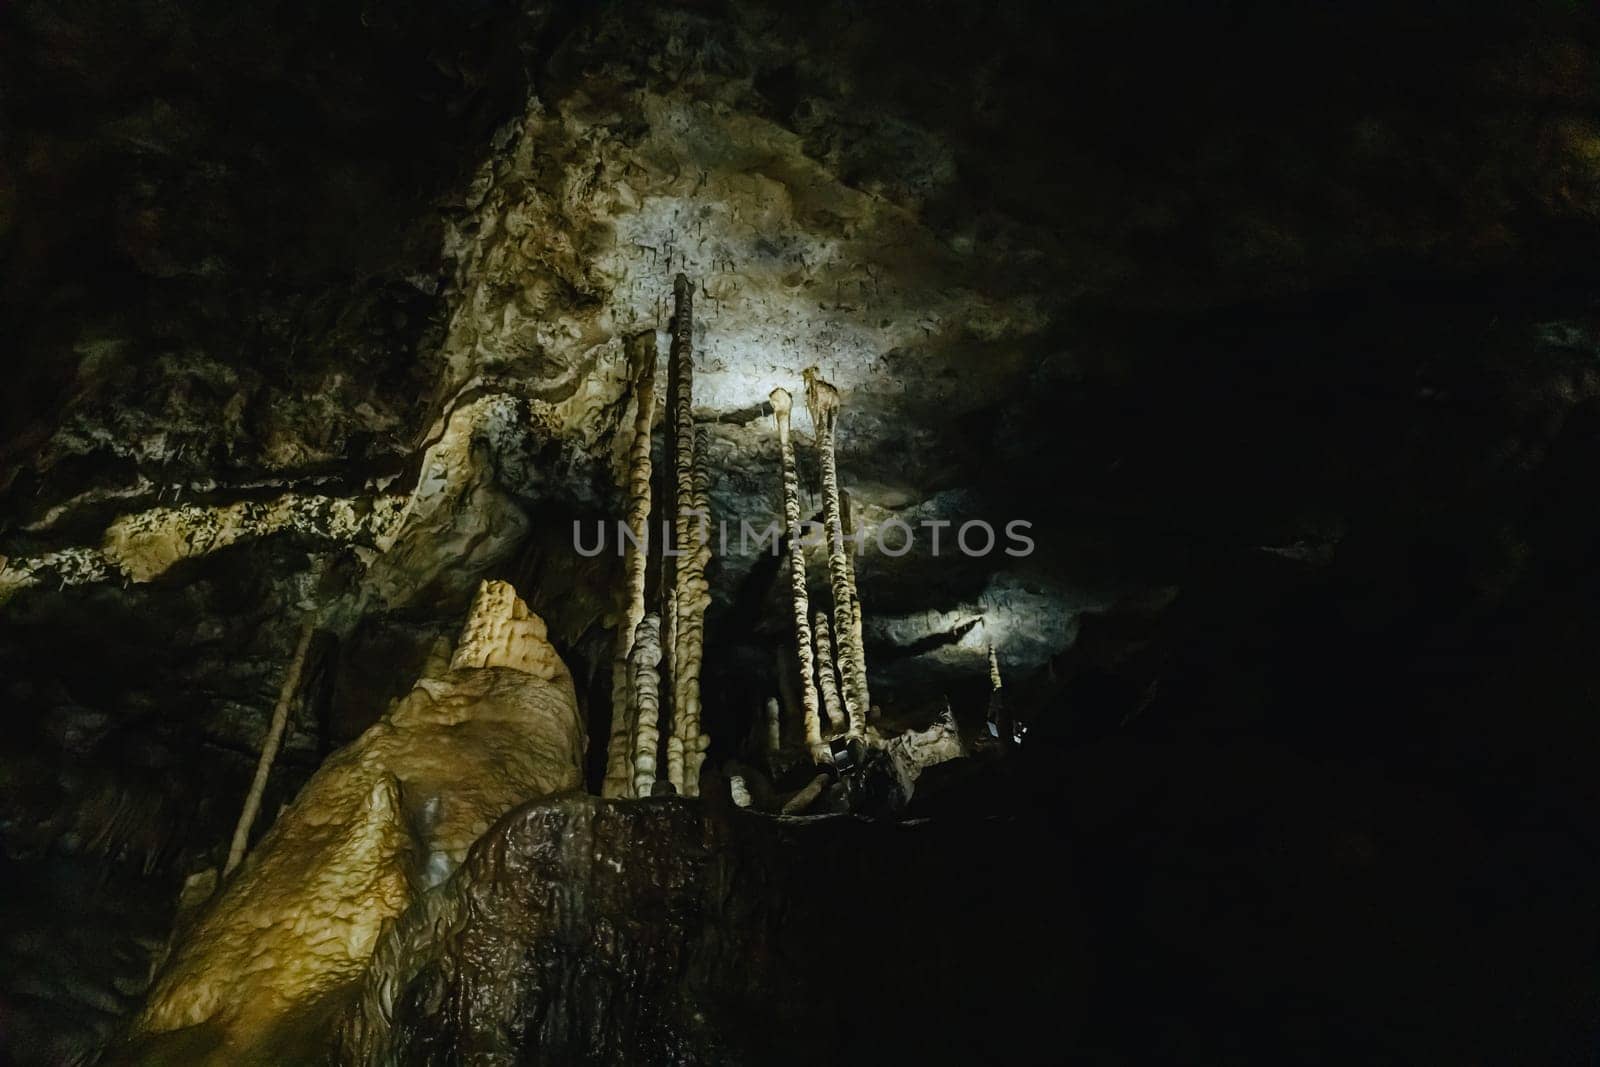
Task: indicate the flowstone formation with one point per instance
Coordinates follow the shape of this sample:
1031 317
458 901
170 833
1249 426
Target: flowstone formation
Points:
251 975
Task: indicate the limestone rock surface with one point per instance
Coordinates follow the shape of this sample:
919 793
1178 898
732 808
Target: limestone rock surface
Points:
384 818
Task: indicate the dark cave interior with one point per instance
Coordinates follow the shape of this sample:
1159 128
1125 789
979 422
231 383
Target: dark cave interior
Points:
1277 325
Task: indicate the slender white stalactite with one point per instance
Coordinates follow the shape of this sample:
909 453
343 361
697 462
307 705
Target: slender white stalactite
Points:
270 746
827 681
645 680
823 401
642 356
782 404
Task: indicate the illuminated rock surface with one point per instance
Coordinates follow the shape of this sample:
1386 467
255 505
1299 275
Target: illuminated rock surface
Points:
383 818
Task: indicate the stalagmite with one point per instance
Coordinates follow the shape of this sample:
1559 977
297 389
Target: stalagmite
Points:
269 747
502 632
685 661
827 681
645 680
995 698
858 644
669 642
823 401
675 763
782 404
692 632
774 726
806 796
380 822
635 559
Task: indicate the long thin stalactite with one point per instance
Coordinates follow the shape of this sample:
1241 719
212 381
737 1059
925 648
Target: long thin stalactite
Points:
823 401
827 680
642 358
692 527
269 747
782 405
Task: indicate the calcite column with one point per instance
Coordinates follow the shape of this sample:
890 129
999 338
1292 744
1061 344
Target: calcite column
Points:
692 635
823 401
997 714
858 643
619 773
682 413
669 655
827 681
774 726
690 593
782 405
645 681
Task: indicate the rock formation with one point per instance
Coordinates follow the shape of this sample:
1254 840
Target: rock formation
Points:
688 527
823 401
996 717
619 769
644 677
827 680
782 404
914 751
697 600
773 723
389 814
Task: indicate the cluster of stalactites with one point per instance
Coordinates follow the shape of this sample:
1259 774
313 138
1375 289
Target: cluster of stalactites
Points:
823 401
782 405
677 635
831 659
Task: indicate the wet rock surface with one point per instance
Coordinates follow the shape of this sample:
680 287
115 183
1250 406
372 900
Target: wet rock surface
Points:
667 931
